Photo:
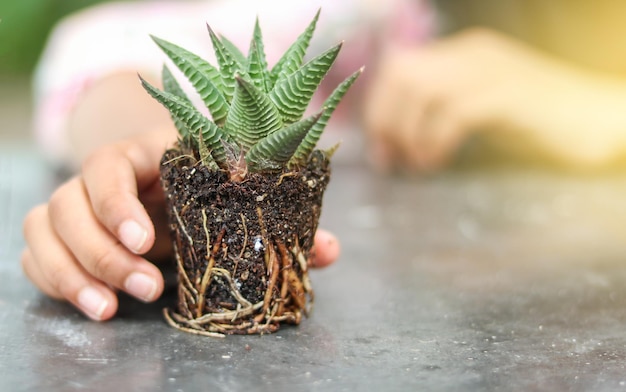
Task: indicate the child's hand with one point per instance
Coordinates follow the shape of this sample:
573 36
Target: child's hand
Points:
88 241
424 102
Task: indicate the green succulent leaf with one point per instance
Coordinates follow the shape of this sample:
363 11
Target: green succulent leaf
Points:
292 59
202 75
312 137
195 124
252 115
292 94
275 150
227 63
205 153
234 51
171 86
257 123
332 150
257 63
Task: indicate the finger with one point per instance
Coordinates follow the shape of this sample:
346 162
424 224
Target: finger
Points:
113 177
394 143
450 126
327 249
380 111
36 276
54 270
446 136
96 249
411 137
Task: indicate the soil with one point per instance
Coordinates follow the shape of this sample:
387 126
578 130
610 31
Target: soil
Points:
242 248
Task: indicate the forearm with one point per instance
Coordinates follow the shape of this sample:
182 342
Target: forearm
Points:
573 115
424 102
114 108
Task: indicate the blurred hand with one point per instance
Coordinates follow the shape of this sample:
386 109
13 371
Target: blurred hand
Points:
424 102
92 238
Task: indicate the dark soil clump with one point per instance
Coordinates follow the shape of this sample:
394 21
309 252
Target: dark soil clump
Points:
242 248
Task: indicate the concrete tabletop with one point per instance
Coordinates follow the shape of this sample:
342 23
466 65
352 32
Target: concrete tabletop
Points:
498 279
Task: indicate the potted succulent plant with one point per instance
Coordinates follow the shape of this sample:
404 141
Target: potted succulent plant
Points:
244 188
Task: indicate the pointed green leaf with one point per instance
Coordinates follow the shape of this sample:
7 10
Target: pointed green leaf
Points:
272 152
252 115
194 122
202 75
292 94
257 64
205 153
292 59
331 151
234 51
312 137
255 68
171 86
228 65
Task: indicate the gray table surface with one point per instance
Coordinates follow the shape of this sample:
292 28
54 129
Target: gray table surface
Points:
499 279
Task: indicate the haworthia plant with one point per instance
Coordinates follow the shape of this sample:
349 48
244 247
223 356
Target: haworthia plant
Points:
255 111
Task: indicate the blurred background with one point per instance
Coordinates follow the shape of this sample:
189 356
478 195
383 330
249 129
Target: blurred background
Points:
24 27
585 33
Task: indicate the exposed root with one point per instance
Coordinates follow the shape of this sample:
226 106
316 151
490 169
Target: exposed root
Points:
273 273
286 267
231 316
206 277
186 283
304 267
182 227
264 240
245 243
284 299
282 176
179 157
234 291
245 235
171 322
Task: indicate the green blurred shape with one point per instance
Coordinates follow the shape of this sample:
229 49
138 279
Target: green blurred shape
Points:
24 27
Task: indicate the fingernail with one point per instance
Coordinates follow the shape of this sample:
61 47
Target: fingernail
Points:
330 251
141 286
132 235
92 302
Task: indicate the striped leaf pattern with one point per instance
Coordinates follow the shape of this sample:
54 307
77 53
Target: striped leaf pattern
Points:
273 151
202 75
294 56
234 51
257 63
292 94
301 155
195 123
257 123
170 85
256 71
205 153
227 63
252 115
